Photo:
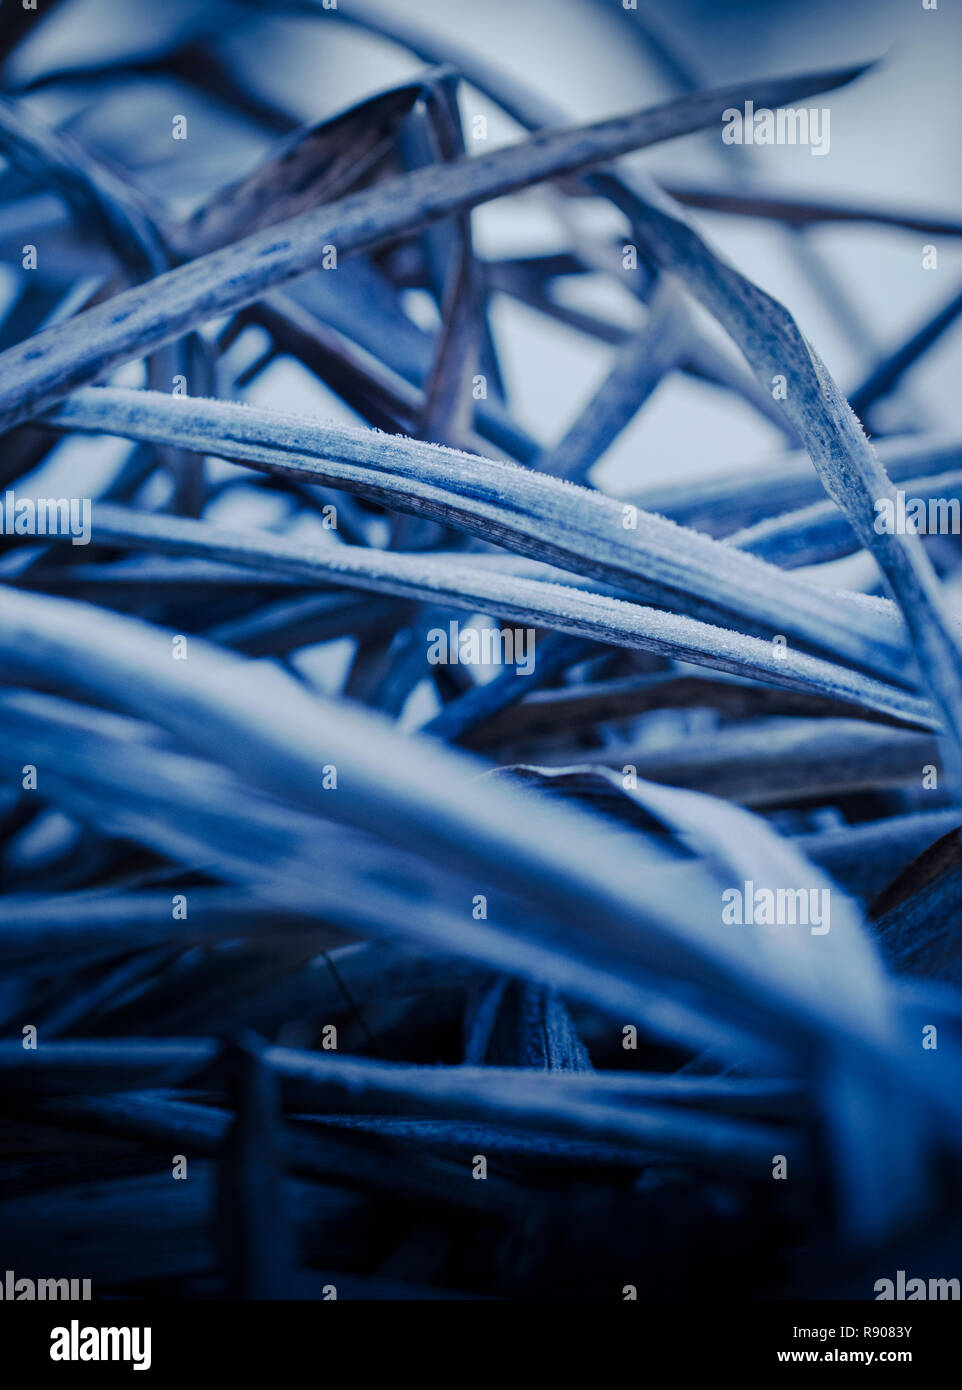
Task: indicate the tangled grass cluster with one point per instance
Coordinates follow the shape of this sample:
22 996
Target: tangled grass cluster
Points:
327 965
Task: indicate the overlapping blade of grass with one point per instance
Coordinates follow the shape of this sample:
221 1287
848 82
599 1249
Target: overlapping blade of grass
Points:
198 815
352 1160
48 366
409 795
562 608
107 772
314 1083
120 775
849 469
533 112
431 1089
752 851
543 517
522 1099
